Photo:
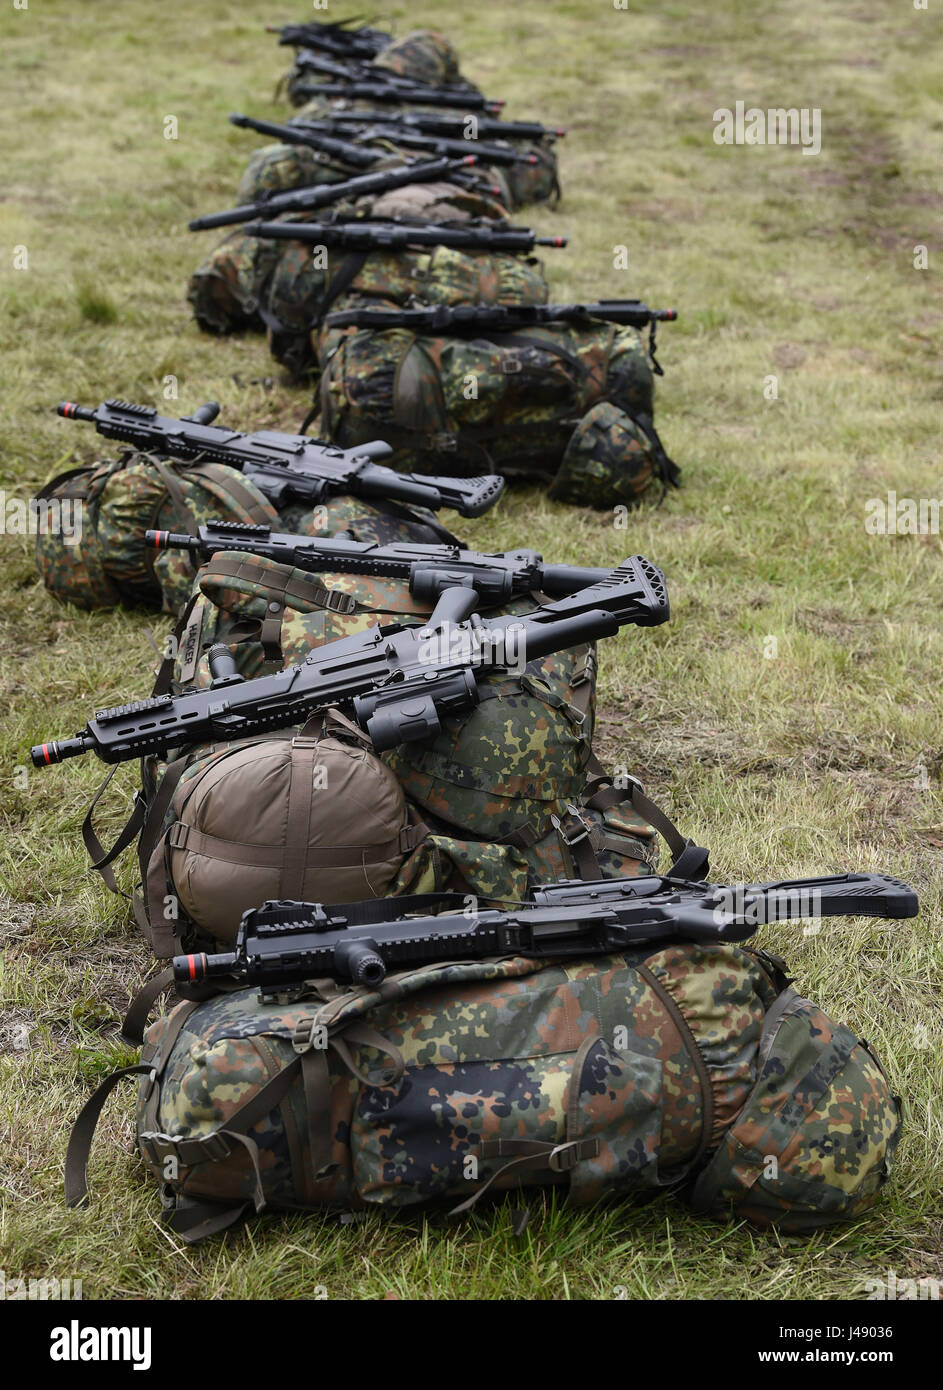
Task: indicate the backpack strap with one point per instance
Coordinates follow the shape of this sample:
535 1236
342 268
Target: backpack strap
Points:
102 859
690 860
283 588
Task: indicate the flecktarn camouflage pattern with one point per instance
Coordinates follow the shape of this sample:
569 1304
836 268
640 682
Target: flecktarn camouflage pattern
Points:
426 56
121 500
615 1077
495 802
291 298
109 563
815 1139
531 413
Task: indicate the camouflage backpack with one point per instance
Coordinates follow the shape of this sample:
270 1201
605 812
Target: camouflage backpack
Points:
693 1069
108 563
568 404
249 284
277 168
505 797
298 293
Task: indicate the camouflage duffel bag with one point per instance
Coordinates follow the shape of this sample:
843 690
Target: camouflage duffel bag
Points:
108 562
693 1069
520 404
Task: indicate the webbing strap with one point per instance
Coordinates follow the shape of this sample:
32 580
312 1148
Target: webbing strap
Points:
102 859
579 839
690 860
528 1155
295 850
283 583
132 1029
351 266
195 1223
83 1131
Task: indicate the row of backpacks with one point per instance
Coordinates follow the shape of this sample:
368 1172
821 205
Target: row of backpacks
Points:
569 403
693 1068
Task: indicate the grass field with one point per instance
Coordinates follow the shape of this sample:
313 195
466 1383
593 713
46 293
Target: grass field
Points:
790 714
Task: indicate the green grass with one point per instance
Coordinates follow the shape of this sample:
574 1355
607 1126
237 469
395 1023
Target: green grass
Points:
822 757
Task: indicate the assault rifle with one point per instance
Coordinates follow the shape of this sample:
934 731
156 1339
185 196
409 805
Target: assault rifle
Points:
351 69
428 569
403 94
320 136
500 318
321 195
399 681
286 466
333 37
443 123
281 944
345 151
506 318
400 233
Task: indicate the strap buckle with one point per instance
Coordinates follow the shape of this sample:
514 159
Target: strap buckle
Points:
207 1148
573 829
564 1157
510 366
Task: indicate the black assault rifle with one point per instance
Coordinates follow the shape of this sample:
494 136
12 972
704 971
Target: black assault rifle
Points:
319 195
404 93
321 135
398 681
285 466
376 75
397 234
428 569
344 151
445 123
501 318
281 944
338 37
507 318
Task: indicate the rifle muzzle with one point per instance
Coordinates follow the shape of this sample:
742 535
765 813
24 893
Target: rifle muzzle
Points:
171 540
56 751
190 970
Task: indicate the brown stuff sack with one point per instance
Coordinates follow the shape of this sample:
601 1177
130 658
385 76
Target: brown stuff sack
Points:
314 818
